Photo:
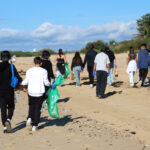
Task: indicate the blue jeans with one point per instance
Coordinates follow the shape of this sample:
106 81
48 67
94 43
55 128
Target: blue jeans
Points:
110 78
77 71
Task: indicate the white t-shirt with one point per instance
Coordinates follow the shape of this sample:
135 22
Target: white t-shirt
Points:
36 79
102 60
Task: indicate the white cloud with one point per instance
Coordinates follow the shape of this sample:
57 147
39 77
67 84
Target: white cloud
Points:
68 37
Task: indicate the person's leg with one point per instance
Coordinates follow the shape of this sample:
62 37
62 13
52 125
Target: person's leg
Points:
109 79
112 75
131 78
91 78
37 106
98 83
76 75
144 75
103 82
11 105
3 107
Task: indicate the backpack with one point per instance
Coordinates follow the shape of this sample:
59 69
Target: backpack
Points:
14 79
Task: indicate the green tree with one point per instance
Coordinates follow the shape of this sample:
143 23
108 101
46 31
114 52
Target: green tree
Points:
143 26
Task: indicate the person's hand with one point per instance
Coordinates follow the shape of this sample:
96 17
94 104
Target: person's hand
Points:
94 73
82 69
108 74
53 80
116 66
52 86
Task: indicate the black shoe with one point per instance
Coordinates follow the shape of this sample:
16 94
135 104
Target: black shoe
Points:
8 125
102 96
4 131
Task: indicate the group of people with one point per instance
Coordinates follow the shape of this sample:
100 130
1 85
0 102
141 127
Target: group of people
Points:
141 62
41 77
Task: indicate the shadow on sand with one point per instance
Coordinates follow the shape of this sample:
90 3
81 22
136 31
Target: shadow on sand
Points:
58 122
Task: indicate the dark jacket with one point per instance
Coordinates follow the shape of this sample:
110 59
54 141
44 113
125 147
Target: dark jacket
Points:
5 77
89 58
111 58
48 66
75 64
143 57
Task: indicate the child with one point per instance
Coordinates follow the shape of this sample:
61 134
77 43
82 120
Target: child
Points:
36 79
143 63
76 67
132 65
7 103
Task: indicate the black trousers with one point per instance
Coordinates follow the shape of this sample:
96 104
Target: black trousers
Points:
101 82
90 71
35 104
7 105
143 74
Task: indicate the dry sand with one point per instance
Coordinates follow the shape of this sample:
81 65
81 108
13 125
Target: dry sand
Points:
119 122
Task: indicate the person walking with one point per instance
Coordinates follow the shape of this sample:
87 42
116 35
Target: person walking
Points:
112 58
36 79
143 63
76 67
132 65
102 68
89 59
7 102
60 60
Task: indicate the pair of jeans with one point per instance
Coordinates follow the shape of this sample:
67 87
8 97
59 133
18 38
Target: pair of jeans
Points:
7 106
101 82
143 74
90 71
77 71
110 78
35 105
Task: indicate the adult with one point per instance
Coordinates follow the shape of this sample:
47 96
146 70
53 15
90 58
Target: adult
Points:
102 67
7 103
112 58
76 67
89 59
143 63
46 64
60 60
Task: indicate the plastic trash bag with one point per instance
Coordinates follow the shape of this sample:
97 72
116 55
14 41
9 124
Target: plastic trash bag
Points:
67 70
53 96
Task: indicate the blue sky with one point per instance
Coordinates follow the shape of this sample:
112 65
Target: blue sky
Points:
28 24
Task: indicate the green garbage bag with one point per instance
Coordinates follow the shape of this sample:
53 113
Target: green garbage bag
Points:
53 96
67 71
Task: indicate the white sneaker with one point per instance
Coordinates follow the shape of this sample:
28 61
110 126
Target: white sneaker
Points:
91 85
29 122
34 128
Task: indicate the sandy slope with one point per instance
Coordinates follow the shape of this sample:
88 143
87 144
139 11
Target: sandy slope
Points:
120 122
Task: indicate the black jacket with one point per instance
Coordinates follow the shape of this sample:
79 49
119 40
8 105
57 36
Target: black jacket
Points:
48 66
111 56
5 76
89 58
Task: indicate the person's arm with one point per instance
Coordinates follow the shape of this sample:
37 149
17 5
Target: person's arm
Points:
128 59
108 64
85 60
94 68
50 71
65 59
45 79
55 61
26 80
17 75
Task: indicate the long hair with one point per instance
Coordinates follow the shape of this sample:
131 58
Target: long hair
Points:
131 53
60 52
77 58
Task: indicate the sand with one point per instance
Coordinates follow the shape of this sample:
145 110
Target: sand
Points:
119 122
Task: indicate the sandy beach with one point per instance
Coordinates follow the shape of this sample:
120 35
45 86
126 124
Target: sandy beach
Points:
119 122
